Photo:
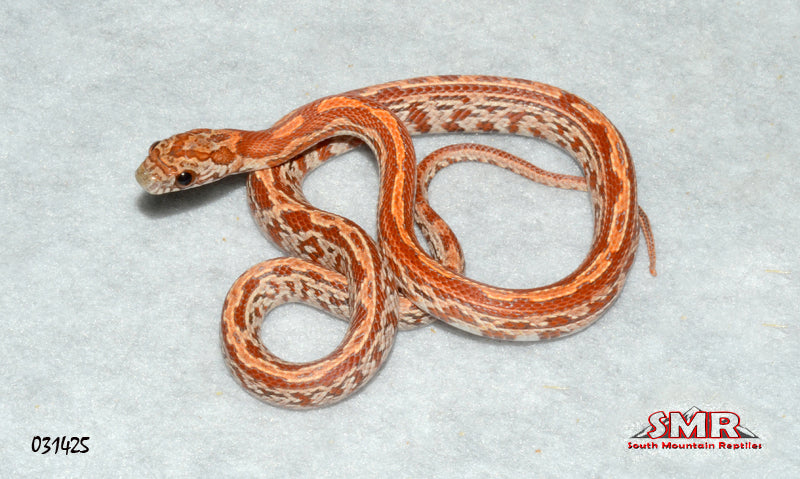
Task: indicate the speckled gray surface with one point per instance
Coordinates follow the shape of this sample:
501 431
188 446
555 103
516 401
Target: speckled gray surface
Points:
111 298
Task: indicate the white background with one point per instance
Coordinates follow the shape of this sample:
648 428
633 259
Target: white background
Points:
111 298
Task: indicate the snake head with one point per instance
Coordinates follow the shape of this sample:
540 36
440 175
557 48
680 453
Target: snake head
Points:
188 160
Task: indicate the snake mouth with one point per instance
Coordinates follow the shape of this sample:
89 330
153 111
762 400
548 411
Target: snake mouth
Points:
147 180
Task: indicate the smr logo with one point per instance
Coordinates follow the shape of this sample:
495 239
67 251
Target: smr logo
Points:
697 426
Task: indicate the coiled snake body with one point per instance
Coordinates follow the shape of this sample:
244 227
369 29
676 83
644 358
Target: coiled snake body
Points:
378 286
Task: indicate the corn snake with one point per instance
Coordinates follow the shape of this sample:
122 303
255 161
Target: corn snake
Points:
344 272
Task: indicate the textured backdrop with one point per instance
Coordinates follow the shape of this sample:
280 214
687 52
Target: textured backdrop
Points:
111 299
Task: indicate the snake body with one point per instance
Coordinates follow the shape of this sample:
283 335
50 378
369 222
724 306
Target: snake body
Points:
375 286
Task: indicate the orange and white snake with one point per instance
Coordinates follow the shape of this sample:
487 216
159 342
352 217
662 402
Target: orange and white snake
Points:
340 269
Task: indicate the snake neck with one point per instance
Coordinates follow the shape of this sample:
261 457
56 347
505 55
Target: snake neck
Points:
340 116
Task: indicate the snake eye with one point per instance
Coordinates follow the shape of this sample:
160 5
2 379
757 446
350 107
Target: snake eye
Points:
184 178
153 145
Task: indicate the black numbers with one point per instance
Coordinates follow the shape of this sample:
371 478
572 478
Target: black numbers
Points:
60 445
